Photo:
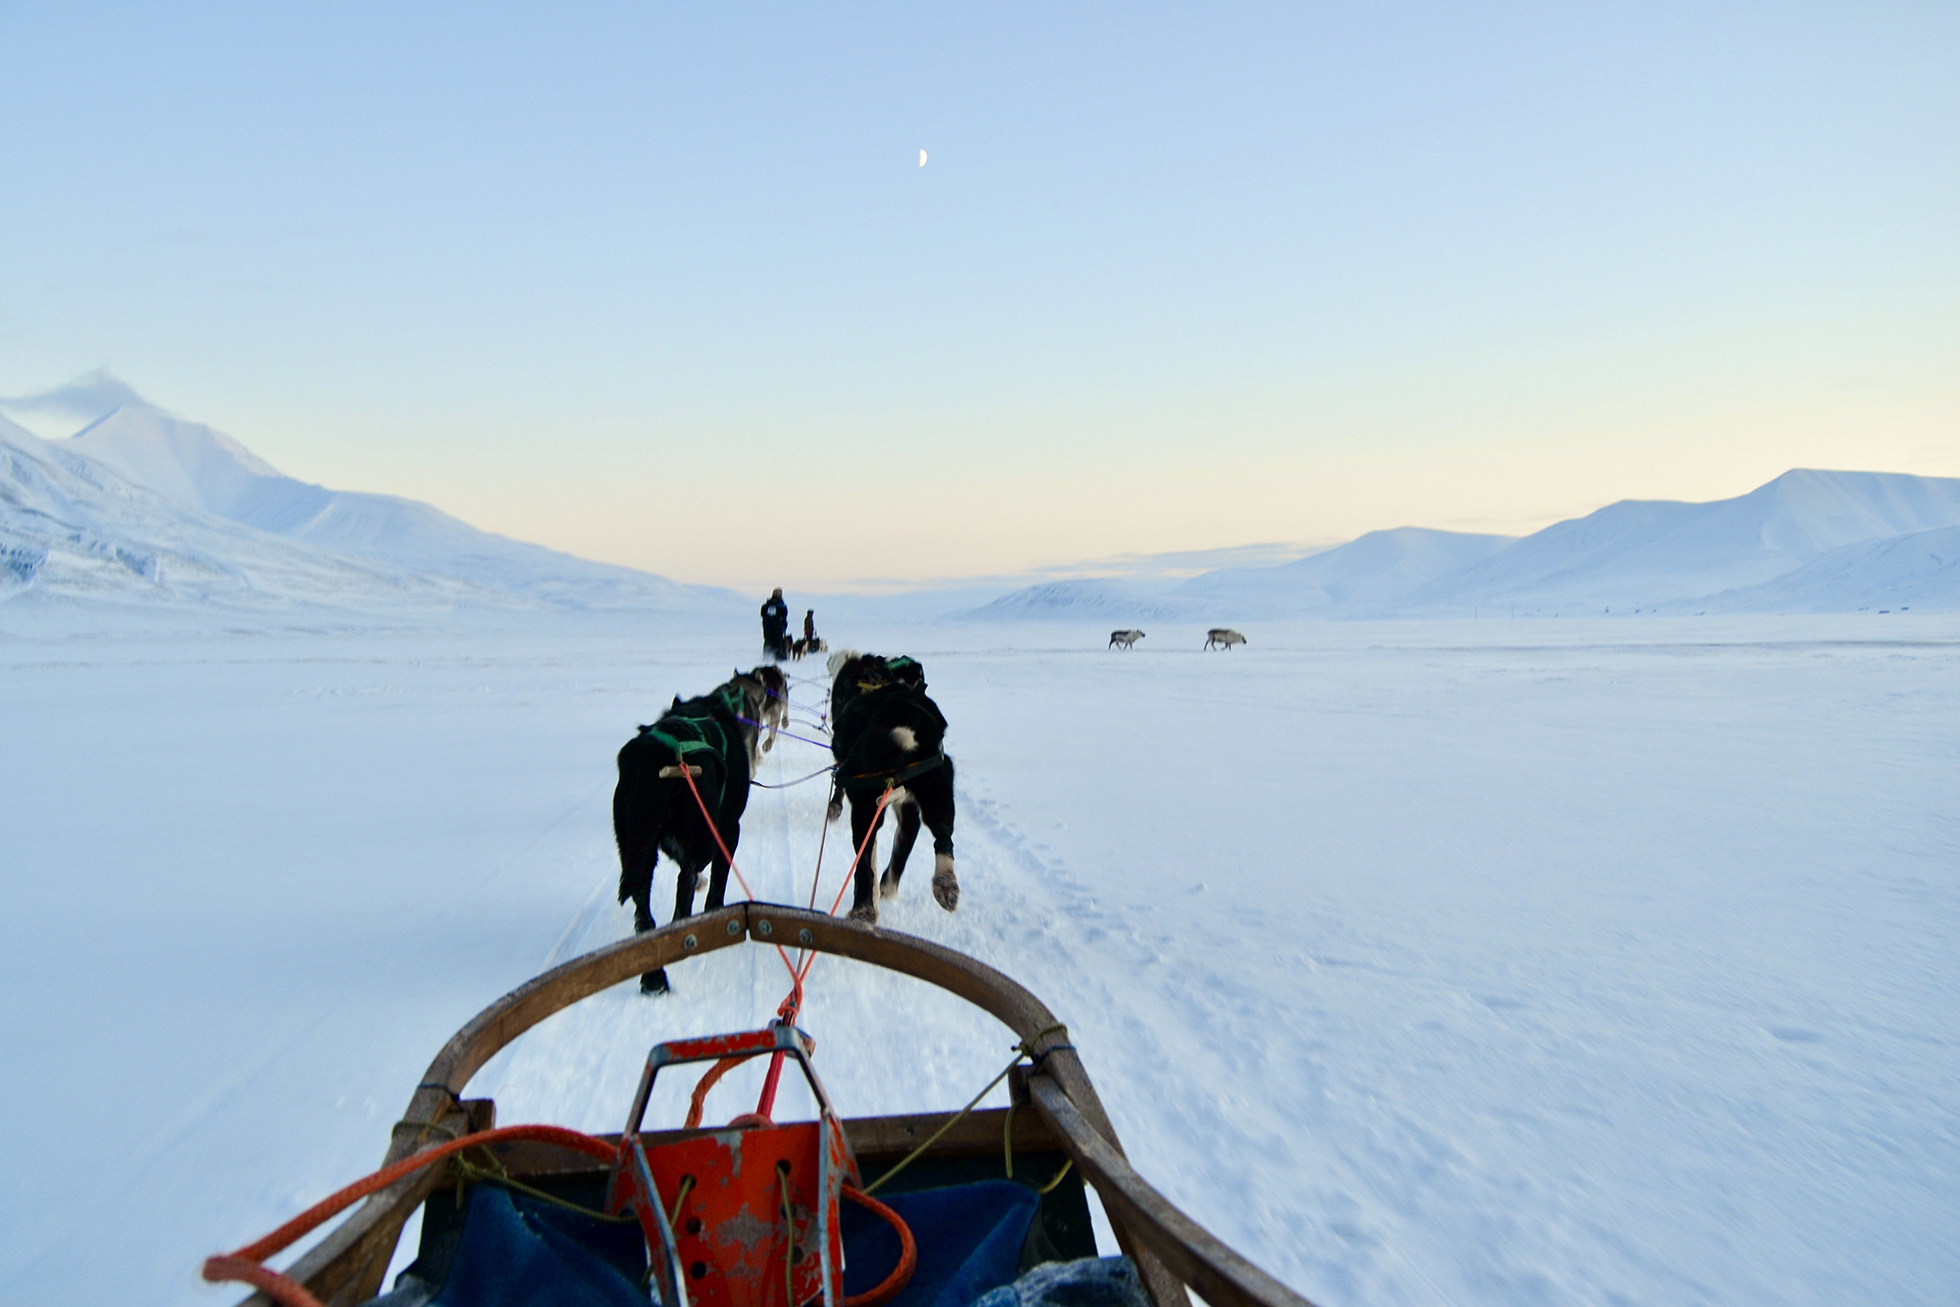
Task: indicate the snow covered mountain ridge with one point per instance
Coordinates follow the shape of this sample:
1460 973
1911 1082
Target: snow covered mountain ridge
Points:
141 505
210 517
1808 541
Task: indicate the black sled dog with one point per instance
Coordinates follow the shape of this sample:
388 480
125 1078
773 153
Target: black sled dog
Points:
719 738
885 733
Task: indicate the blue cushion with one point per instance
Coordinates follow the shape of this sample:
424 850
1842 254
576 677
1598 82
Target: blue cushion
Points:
969 1238
516 1251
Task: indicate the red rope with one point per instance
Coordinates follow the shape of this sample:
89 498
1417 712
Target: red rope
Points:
709 1078
245 1265
811 959
796 981
908 1253
792 1004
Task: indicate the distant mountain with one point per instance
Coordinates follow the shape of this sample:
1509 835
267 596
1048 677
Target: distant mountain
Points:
1362 575
1667 554
1373 572
73 527
1092 600
1809 540
192 462
1920 570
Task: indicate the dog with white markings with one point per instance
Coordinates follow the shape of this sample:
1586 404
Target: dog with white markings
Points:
889 737
1124 639
1223 637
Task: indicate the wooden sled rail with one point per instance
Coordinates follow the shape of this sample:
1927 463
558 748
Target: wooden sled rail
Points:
1169 1248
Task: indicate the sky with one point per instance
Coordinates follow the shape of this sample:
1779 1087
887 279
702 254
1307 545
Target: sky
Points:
668 287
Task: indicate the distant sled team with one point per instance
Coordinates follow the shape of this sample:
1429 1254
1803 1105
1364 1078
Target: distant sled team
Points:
808 643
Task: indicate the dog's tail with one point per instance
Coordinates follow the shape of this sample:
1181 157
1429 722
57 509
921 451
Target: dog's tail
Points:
643 811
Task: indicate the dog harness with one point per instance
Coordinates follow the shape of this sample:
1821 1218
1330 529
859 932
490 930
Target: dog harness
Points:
702 730
898 676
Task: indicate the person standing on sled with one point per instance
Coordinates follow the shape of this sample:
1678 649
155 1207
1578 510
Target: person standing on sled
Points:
775 626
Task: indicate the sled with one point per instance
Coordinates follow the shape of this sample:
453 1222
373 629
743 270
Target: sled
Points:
658 1205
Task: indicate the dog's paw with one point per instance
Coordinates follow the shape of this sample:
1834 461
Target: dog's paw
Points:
946 889
866 912
888 886
654 982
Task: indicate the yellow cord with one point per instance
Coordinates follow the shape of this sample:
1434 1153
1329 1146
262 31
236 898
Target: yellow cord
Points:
1058 1177
1024 1048
789 1237
674 1220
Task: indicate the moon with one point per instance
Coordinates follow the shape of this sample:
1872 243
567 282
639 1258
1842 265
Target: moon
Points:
922 158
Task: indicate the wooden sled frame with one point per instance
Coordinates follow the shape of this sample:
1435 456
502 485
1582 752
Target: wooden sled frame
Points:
1169 1248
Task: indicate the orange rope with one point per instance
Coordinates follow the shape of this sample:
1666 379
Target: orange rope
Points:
245 1264
870 831
796 981
236 1270
908 1253
696 1104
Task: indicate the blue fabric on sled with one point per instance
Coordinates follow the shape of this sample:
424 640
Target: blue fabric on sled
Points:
1091 1282
519 1252
969 1238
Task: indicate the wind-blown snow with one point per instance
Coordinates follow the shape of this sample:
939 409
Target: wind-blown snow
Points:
1533 961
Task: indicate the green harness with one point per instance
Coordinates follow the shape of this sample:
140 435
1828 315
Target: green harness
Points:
702 731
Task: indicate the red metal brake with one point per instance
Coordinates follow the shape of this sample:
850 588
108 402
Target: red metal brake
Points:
744 1216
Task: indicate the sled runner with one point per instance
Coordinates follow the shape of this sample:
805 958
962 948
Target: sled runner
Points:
933 1210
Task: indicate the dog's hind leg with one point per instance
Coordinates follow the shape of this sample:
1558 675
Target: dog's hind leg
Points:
864 904
902 841
717 884
687 883
933 792
636 884
685 879
637 857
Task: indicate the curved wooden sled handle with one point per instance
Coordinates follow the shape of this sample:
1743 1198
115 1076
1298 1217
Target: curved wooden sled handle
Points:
1169 1248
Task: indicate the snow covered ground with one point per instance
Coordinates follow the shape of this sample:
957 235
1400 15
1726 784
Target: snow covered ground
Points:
1534 961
